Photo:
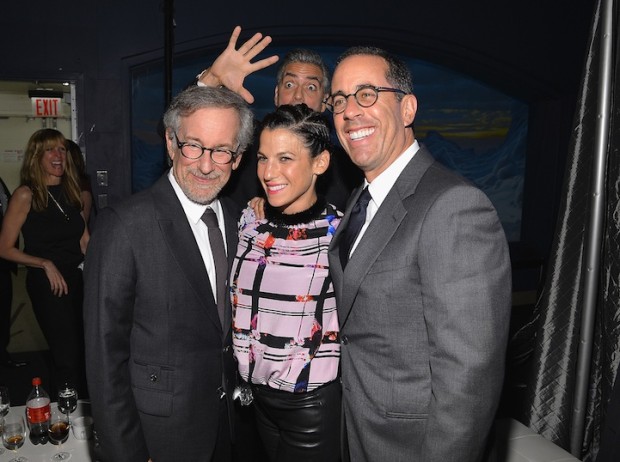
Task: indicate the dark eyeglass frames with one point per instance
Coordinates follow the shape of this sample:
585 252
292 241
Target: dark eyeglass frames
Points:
365 96
195 151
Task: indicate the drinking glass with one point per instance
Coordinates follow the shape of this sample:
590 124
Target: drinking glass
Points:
58 432
14 433
5 401
67 399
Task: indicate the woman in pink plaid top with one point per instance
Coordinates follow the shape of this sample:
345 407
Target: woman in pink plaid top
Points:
285 322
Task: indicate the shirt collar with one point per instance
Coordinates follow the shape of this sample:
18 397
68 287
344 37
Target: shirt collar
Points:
381 186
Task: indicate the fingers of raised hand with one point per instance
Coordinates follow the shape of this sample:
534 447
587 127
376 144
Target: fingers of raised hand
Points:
232 42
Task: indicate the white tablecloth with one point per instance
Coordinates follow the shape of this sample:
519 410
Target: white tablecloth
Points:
80 450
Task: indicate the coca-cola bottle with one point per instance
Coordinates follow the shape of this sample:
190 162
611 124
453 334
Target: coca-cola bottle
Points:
38 412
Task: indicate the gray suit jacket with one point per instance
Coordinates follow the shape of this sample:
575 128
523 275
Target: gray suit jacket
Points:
155 348
424 307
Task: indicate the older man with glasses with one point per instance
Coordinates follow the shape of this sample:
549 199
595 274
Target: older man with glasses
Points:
158 322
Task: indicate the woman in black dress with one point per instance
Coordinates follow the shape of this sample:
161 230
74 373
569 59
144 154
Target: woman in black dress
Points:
47 210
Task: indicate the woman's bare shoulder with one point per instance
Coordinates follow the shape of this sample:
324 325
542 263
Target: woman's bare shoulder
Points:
22 195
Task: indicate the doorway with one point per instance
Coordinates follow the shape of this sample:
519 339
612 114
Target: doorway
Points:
25 107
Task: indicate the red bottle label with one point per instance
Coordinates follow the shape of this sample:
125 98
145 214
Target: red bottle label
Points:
40 413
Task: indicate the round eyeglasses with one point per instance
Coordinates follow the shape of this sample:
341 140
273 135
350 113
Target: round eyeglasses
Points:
365 96
195 151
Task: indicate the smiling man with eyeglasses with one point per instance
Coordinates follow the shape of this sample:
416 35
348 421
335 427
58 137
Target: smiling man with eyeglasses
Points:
423 286
200 176
157 318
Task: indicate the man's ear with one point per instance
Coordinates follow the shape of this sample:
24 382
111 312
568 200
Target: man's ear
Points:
170 144
237 161
275 96
408 108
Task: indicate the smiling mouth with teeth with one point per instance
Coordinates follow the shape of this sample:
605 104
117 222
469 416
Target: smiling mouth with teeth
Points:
276 188
358 134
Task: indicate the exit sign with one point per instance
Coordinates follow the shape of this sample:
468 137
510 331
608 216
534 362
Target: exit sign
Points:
45 107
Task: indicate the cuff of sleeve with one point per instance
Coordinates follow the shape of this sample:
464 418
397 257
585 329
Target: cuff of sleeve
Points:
199 76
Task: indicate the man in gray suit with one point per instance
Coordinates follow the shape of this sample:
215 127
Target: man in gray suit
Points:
157 320
423 289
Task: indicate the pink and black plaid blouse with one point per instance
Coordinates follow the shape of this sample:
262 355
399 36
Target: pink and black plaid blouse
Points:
285 323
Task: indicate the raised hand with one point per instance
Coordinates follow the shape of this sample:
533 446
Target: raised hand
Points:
233 65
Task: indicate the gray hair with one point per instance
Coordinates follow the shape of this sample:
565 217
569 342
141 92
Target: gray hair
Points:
398 74
194 98
301 55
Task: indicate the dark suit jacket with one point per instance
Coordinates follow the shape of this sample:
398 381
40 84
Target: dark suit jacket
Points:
424 306
155 349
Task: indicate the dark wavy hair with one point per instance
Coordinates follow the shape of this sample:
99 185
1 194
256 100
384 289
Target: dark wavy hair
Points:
310 126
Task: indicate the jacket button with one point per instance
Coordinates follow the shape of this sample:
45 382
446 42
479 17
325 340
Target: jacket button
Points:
344 340
226 349
153 378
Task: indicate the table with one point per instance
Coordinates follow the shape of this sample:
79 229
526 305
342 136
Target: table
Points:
80 450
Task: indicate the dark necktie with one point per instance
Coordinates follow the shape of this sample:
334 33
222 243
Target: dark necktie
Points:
356 222
219 258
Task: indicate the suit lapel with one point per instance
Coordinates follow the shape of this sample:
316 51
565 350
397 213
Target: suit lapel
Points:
378 234
182 244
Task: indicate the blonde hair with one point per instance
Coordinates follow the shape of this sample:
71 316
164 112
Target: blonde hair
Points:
33 175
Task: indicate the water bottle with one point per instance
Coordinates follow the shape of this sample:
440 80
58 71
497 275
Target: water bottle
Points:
38 412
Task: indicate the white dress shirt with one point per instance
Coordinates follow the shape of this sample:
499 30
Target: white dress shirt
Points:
382 185
194 213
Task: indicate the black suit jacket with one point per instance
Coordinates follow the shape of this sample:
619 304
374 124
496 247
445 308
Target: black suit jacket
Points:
155 348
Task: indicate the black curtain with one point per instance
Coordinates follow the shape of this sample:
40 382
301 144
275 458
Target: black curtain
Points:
548 408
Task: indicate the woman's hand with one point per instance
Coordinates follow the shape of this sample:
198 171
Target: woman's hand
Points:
57 282
258 205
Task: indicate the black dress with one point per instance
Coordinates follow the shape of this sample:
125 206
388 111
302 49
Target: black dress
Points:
55 234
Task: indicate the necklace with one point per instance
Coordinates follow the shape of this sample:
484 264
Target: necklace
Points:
58 205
